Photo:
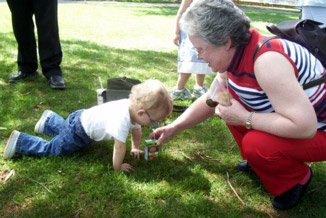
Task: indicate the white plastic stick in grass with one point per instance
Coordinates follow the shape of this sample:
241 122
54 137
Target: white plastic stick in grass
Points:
101 84
10 174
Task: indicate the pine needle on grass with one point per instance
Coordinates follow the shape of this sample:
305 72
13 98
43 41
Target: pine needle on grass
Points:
235 192
46 188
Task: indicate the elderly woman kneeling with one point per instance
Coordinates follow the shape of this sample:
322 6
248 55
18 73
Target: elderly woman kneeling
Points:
277 125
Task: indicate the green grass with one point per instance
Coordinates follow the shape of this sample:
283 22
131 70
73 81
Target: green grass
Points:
190 177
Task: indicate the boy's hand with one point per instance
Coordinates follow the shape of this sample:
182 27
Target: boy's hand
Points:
136 152
126 167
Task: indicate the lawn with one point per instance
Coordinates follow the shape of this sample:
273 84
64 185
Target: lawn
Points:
196 169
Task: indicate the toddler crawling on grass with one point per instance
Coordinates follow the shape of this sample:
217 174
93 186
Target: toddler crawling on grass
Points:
148 103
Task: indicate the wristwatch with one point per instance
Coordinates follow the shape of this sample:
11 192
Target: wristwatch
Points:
249 119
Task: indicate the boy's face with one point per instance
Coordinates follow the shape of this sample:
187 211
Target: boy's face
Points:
154 123
152 117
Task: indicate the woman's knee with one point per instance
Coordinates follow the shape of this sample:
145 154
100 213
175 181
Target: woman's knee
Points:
254 143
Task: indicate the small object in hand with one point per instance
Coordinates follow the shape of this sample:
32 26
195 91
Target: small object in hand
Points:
223 98
151 149
211 103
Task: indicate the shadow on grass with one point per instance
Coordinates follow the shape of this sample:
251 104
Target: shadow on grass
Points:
82 184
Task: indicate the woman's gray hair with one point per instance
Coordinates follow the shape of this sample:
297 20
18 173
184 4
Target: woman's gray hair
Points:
214 21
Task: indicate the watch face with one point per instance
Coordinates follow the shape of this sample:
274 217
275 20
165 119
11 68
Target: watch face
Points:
248 125
248 122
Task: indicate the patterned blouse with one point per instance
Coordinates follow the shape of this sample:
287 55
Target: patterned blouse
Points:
244 87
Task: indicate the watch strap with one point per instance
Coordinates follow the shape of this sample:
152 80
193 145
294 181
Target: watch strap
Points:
249 120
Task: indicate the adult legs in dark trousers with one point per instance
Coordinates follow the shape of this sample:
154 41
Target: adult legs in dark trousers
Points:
49 47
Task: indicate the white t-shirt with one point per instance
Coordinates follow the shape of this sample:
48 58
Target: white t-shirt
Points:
108 121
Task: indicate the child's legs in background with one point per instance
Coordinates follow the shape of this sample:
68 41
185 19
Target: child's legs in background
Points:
200 78
182 80
188 64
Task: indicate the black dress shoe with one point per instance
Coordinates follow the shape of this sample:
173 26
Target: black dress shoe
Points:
22 76
56 82
245 167
291 197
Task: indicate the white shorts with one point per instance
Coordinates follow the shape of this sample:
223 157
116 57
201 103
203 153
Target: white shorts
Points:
187 58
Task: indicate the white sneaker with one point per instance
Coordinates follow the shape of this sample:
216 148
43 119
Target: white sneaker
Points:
183 94
39 127
199 90
11 145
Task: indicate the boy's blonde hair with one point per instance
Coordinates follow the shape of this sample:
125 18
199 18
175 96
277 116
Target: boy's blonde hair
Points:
149 95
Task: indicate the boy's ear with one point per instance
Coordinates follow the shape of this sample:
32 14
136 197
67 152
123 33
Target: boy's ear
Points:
140 112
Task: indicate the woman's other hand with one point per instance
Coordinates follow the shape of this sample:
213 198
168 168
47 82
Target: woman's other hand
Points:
235 114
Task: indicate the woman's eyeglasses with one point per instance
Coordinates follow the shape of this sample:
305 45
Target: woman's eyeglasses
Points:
154 123
200 51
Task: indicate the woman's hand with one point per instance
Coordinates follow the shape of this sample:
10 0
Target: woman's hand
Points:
136 152
235 114
162 133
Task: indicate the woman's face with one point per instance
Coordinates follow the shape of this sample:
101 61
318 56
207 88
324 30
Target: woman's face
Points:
218 58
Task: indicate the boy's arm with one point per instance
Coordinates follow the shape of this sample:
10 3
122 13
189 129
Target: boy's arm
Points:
119 153
135 139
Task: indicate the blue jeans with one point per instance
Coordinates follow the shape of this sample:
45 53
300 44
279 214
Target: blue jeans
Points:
69 136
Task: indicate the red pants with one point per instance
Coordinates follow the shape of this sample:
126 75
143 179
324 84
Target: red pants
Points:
279 162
